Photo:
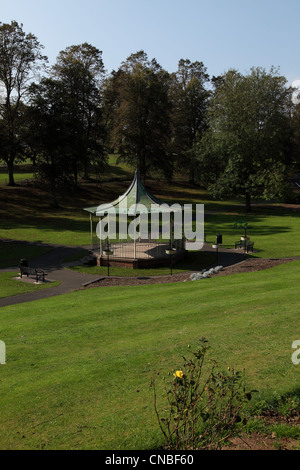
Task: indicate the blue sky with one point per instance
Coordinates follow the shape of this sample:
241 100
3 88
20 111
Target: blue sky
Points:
222 34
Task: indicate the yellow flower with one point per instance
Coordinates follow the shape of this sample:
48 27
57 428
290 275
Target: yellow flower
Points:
178 374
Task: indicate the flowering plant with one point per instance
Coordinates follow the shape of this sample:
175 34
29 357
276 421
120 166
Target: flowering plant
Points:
178 374
204 407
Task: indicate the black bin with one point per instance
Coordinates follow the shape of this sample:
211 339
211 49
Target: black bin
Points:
24 262
219 239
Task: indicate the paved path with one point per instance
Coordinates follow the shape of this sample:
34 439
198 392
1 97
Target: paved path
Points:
51 264
72 280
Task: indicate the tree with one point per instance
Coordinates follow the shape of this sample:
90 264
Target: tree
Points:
189 98
140 124
245 152
80 71
295 127
20 59
50 138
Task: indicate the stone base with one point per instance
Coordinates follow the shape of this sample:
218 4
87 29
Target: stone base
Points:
140 263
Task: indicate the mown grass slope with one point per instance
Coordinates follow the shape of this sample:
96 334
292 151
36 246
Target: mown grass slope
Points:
79 365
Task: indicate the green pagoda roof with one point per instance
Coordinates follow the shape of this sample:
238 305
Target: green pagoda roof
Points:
128 203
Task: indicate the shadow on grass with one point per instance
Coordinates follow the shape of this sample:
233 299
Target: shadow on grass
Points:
11 253
224 223
27 209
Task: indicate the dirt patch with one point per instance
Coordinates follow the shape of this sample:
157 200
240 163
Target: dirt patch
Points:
258 442
137 281
249 265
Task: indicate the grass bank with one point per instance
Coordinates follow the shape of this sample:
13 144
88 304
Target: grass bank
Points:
11 286
79 366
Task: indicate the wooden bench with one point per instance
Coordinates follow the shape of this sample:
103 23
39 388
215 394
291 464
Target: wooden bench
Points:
239 244
39 274
247 246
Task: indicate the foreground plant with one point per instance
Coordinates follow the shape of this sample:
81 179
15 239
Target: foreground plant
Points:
204 407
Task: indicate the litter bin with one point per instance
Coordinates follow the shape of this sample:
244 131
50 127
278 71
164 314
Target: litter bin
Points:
219 239
24 262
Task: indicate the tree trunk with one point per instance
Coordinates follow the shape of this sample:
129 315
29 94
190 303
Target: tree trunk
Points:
33 158
192 176
86 173
10 166
54 202
75 175
248 202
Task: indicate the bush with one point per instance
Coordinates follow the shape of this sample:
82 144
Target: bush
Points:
286 405
203 408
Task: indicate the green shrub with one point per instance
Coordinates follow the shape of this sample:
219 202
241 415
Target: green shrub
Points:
203 407
287 405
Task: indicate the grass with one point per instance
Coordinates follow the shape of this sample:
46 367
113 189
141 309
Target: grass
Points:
117 170
22 173
10 286
79 365
25 214
194 261
275 235
11 253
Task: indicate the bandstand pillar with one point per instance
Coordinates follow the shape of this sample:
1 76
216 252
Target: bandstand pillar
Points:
91 225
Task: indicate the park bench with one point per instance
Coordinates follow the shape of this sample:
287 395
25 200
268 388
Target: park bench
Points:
39 274
249 247
245 245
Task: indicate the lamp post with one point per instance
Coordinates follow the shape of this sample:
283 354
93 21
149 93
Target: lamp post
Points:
216 246
219 241
244 239
245 247
108 253
171 252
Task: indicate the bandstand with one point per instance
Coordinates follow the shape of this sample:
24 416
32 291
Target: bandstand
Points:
146 249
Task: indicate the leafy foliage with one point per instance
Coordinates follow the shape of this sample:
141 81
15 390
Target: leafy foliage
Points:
189 99
204 408
20 59
140 122
245 152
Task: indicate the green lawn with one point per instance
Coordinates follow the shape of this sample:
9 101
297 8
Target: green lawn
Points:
275 235
22 173
25 213
79 365
10 286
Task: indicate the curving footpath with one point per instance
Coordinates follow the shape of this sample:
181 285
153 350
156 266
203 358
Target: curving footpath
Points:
51 263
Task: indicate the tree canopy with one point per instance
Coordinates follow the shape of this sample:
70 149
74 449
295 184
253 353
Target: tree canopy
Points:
237 134
20 58
140 123
66 114
245 151
189 98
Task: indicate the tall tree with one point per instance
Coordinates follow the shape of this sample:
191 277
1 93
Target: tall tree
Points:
20 59
189 97
140 124
80 71
295 126
49 137
245 152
